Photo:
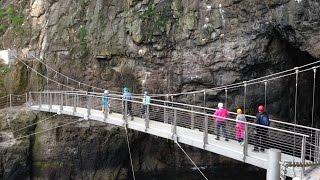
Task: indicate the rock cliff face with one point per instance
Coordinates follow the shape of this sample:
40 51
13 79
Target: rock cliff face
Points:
171 45
85 150
160 45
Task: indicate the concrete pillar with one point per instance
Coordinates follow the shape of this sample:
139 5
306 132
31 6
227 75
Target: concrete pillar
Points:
273 171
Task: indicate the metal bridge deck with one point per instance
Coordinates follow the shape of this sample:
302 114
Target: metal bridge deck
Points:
231 149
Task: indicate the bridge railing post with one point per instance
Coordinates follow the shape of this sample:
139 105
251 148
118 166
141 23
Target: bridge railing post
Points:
192 110
192 118
29 99
50 101
125 111
40 99
88 106
245 142
303 154
74 104
61 102
165 115
205 131
106 111
147 116
174 125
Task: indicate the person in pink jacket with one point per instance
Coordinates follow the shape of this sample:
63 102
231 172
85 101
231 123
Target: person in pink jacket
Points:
240 126
220 118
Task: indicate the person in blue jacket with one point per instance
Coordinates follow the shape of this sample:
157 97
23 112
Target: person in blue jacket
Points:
105 101
127 97
145 103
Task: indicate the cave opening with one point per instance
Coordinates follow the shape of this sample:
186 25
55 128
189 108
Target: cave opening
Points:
306 82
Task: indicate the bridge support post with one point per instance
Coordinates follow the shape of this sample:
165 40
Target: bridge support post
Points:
192 109
147 117
174 127
273 170
205 132
165 115
303 155
30 100
245 144
125 112
106 112
88 107
61 103
192 118
40 99
50 101
74 104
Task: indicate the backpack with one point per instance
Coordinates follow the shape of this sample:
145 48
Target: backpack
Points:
264 120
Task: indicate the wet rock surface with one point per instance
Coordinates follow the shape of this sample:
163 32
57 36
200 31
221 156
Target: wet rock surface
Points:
172 46
89 150
164 46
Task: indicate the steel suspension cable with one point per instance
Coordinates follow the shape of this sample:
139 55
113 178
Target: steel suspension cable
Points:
295 115
46 130
265 94
176 94
226 98
313 105
69 78
63 85
191 160
35 123
128 144
313 96
244 98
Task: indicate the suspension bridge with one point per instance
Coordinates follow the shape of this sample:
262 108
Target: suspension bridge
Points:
292 146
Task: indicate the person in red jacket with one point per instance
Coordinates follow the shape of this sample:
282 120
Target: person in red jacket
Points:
220 118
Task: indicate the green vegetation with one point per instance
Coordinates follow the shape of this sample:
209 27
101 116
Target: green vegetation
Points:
148 13
10 17
160 18
83 3
155 19
82 38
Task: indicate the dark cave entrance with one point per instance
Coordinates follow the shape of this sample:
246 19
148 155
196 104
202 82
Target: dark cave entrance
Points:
305 87
280 56
281 93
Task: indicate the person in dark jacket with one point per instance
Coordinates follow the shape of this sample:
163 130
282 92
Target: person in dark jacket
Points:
261 136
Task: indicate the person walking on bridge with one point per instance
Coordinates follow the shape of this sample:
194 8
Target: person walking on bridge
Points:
105 101
145 104
126 99
220 118
261 136
240 126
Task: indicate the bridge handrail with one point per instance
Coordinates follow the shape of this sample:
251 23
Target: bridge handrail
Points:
184 110
231 112
188 105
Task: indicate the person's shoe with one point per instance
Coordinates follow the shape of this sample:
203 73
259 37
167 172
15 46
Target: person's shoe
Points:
227 139
217 138
262 149
241 143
